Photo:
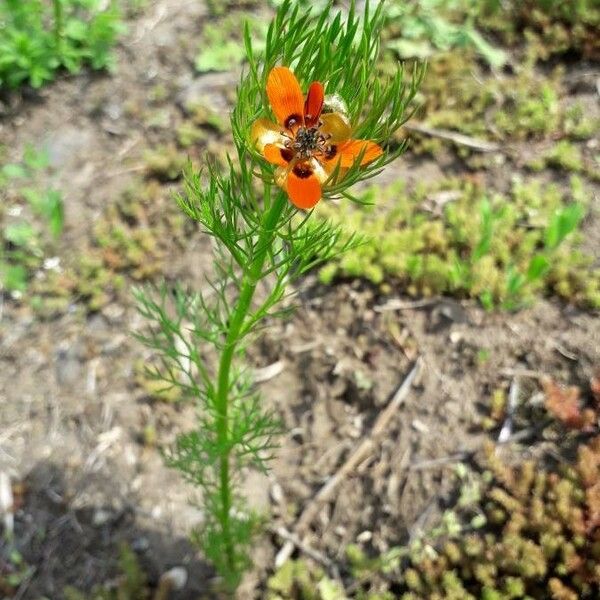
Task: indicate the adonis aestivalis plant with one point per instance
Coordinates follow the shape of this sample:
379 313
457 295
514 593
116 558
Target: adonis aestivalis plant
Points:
313 117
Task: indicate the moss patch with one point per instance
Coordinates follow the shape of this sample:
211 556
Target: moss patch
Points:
455 239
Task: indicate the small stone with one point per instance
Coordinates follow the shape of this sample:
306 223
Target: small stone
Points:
455 337
101 517
277 493
364 537
140 544
419 426
176 578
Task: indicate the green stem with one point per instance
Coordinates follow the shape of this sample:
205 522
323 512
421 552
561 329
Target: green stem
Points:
236 322
58 25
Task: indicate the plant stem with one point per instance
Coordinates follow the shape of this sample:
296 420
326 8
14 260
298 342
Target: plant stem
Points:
58 25
248 287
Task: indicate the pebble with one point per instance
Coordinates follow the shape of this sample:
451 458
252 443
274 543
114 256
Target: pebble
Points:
177 578
419 426
455 337
101 517
276 493
140 544
364 537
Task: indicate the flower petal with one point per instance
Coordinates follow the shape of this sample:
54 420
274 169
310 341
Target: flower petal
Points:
285 96
281 174
303 186
265 132
277 155
347 152
336 126
318 169
314 104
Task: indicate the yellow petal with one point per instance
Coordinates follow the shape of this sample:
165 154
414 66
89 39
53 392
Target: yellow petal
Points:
319 171
265 132
336 126
281 174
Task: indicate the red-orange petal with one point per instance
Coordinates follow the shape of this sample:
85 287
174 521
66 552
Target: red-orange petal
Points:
314 103
303 187
277 155
349 151
285 96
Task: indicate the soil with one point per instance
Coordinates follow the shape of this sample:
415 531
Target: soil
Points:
72 418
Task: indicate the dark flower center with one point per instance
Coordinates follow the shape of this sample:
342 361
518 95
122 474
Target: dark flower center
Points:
307 140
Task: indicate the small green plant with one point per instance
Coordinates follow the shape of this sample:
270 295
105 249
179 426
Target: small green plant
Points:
419 28
322 144
38 38
564 155
296 579
557 27
540 538
222 44
524 530
22 241
14 570
516 247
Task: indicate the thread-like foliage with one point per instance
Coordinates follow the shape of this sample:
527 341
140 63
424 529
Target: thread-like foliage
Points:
259 235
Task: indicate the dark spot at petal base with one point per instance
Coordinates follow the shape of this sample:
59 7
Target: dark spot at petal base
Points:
287 154
303 171
330 152
292 121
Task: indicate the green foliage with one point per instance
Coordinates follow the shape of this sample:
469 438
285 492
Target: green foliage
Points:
563 155
23 241
419 28
514 531
541 535
457 95
296 579
14 571
516 247
38 38
222 44
259 235
556 27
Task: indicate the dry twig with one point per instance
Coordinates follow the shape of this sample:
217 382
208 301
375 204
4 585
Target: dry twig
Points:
452 136
397 304
361 452
317 556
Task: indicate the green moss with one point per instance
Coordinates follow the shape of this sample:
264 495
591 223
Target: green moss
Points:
551 26
458 95
563 155
134 233
154 388
165 163
578 125
297 580
503 249
189 134
542 540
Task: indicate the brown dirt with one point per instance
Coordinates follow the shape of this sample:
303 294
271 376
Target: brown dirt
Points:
72 417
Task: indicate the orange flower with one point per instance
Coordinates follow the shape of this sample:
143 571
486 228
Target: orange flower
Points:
307 145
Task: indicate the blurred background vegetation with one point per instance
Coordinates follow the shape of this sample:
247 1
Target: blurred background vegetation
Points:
503 219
